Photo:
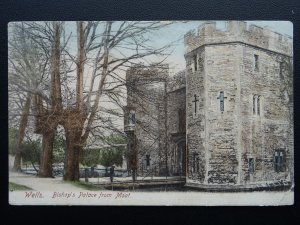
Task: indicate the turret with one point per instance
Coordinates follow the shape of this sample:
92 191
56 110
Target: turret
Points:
236 31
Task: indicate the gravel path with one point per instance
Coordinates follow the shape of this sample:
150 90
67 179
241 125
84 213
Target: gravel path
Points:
39 184
50 185
42 184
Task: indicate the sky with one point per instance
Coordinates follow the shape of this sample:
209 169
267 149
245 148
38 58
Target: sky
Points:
176 32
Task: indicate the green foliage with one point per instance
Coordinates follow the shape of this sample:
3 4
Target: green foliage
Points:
31 150
115 139
59 149
17 187
91 157
85 186
12 140
111 156
107 156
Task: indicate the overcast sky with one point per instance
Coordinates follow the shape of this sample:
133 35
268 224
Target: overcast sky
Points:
176 32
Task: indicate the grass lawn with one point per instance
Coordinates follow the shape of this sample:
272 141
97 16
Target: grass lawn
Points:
86 186
17 187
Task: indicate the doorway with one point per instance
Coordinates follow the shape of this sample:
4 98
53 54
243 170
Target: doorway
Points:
181 158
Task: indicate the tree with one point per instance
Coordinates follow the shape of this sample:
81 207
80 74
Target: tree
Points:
91 157
78 122
26 70
59 146
21 133
104 51
31 151
12 140
46 92
111 154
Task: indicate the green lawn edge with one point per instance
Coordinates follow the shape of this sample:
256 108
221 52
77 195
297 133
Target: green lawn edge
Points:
17 187
84 185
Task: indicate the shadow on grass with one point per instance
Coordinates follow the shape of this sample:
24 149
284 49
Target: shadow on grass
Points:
18 187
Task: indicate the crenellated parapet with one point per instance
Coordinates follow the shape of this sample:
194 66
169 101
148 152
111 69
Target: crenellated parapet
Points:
142 74
237 31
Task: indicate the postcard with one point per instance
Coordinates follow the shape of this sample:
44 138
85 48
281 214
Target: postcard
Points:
151 113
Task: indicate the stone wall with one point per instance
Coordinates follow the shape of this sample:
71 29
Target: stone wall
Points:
146 91
195 120
243 64
222 127
227 144
176 102
176 125
272 129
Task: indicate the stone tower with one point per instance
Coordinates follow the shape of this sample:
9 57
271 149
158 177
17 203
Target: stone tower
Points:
176 124
239 107
145 120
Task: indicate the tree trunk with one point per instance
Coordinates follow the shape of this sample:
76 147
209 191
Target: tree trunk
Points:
22 127
74 121
17 162
46 155
72 155
55 70
32 163
80 64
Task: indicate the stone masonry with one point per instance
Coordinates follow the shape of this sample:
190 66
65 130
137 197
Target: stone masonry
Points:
242 118
226 121
146 88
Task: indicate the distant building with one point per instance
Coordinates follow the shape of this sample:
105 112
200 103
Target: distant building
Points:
224 122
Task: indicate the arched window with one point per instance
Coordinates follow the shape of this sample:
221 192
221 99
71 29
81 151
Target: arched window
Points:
200 64
256 63
280 68
147 160
131 117
258 105
195 62
279 160
251 165
254 104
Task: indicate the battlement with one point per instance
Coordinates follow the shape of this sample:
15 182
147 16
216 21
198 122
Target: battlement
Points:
237 31
143 73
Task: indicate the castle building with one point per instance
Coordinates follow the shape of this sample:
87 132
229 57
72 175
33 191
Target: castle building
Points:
144 120
226 121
